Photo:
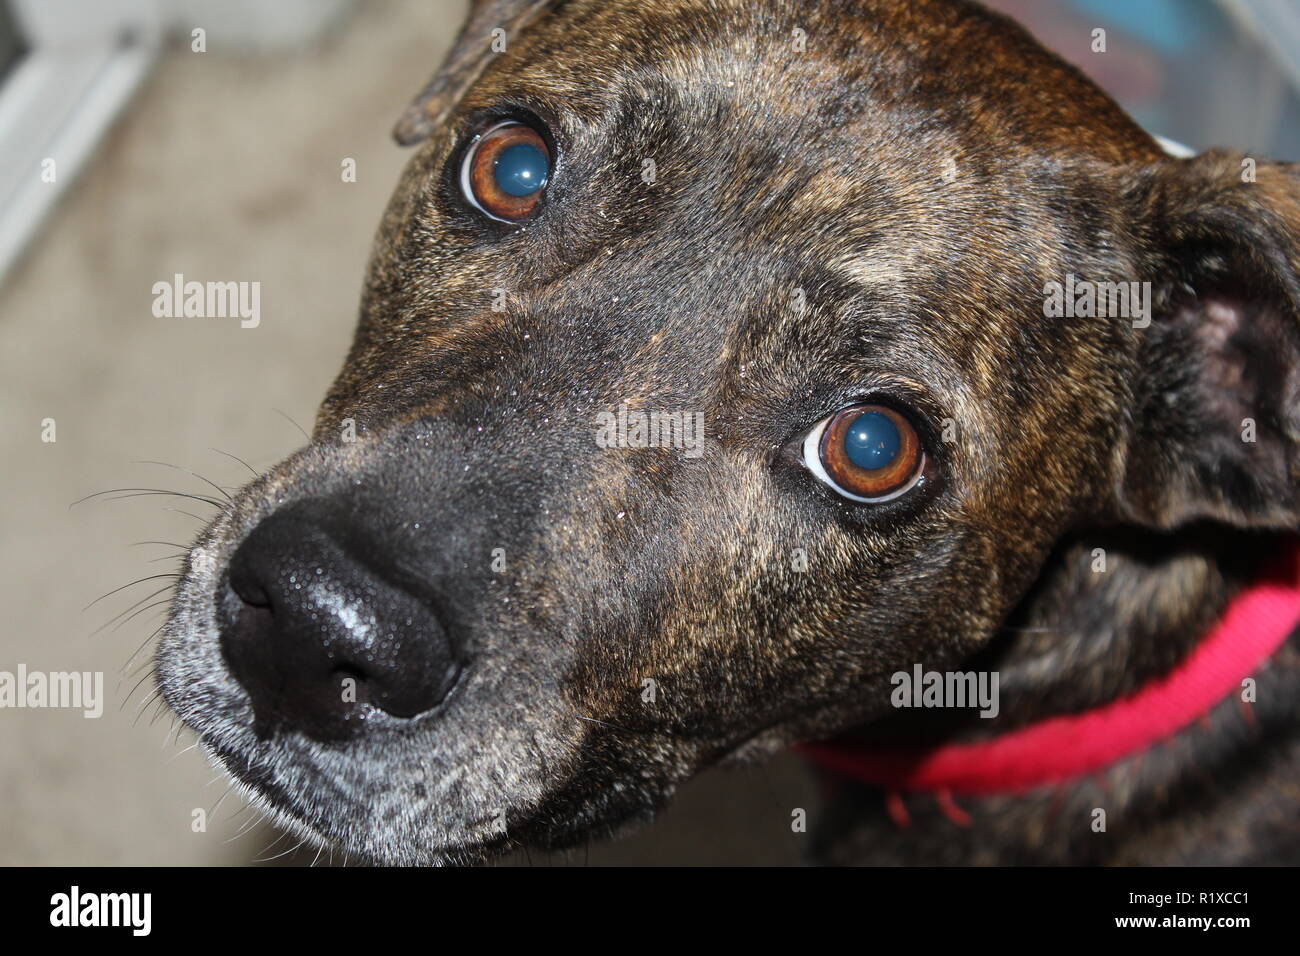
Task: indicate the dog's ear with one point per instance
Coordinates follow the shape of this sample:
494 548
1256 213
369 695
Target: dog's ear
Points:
492 24
1216 412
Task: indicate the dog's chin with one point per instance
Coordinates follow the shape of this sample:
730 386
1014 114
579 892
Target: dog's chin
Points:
351 807
478 779
343 837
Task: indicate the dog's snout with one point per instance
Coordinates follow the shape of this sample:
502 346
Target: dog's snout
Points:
320 630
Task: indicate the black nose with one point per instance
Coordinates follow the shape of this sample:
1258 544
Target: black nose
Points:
320 628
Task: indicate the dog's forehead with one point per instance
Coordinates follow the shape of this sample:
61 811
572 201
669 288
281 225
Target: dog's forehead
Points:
821 154
866 136
748 191
916 65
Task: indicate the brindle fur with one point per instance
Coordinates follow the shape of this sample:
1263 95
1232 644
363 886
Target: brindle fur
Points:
779 170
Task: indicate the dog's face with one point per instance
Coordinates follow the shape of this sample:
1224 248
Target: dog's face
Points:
473 611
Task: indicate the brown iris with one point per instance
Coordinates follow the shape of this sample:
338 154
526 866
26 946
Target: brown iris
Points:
506 171
871 452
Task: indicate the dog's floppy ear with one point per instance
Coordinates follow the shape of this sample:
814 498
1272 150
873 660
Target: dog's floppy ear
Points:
1216 421
491 25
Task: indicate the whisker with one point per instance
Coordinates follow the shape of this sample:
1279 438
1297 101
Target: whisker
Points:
161 590
126 700
256 473
176 494
247 806
292 849
213 812
142 646
152 577
156 604
160 708
217 805
273 844
147 663
248 825
606 724
167 557
208 481
147 701
293 423
142 492
181 753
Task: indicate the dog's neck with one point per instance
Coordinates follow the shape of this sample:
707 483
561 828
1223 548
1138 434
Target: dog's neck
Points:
1110 614
1093 641
1111 611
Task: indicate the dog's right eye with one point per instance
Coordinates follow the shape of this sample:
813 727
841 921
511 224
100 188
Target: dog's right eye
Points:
505 171
868 453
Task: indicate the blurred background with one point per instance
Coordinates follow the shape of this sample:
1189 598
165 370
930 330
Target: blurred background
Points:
133 148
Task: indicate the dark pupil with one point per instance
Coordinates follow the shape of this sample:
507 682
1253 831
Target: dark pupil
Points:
872 441
520 169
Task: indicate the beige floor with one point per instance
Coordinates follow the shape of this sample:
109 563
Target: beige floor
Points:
224 168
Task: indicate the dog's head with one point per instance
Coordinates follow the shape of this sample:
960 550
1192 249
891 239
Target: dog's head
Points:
710 370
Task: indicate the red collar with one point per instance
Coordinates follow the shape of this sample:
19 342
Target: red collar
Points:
1255 624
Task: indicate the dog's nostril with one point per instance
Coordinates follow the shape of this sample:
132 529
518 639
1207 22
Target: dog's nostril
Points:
317 633
248 590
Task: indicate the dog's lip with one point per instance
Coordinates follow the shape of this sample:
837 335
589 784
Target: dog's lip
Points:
243 770
274 796
283 809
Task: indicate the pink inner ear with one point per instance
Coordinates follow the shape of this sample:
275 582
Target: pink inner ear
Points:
1221 317
1225 368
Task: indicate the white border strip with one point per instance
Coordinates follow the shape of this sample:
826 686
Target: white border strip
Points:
56 105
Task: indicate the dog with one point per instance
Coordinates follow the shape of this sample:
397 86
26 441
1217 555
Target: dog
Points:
714 376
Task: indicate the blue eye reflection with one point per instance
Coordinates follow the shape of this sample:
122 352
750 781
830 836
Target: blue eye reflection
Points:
520 170
872 441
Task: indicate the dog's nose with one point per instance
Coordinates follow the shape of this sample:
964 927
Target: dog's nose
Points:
319 629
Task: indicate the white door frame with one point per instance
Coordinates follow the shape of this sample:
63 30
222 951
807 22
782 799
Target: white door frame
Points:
82 62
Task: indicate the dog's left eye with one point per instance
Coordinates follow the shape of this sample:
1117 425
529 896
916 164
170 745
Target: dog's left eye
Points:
505 171
868 453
